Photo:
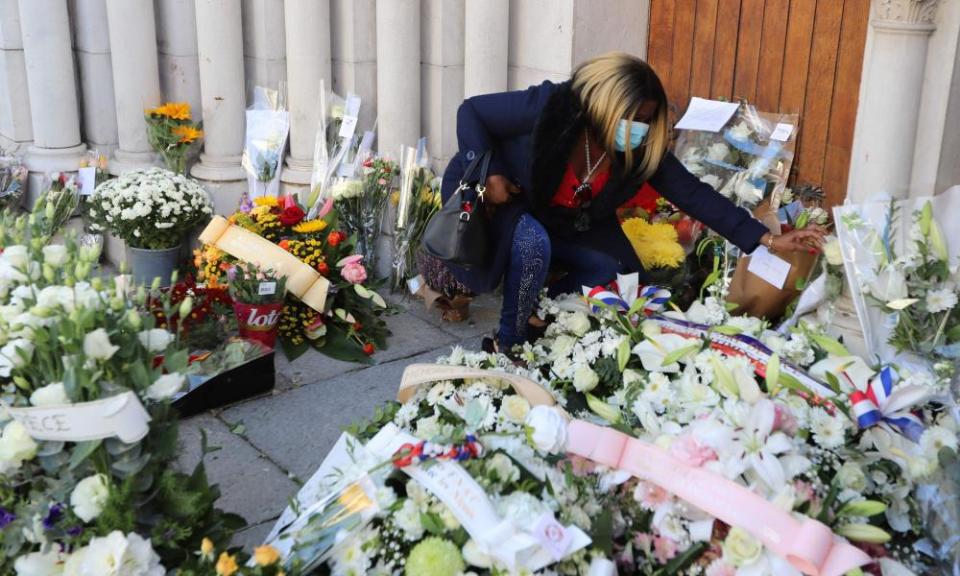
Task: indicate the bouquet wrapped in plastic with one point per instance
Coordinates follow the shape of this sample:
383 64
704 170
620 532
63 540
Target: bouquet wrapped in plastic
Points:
268 124
417 200
338 147
13 178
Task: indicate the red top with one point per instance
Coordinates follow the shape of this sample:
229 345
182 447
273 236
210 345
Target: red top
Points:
646 197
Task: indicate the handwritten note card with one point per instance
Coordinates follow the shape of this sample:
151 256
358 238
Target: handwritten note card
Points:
707 115
770 268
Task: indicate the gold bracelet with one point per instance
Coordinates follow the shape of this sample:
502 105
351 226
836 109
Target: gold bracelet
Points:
769 244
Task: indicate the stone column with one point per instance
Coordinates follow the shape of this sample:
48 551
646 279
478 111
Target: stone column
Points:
308 62
220 49
92 39
51 80
15 129
177 47
442 76
398 74
486 43
136 79
890 91
264 47
354 55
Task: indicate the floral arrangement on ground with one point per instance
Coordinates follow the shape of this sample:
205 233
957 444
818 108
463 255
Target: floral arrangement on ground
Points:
352 328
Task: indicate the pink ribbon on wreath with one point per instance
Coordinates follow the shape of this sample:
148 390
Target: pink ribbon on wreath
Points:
808 545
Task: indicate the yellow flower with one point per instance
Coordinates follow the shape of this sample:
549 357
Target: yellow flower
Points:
206 549
260 211
187 134
269 201
265 555
226 565
655 244
173 110
308 226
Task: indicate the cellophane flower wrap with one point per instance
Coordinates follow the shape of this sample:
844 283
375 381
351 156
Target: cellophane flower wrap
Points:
13 177
172 133
70 336
58 202
149 207
747 160
417 200
361 203
352 328
781 419
268 124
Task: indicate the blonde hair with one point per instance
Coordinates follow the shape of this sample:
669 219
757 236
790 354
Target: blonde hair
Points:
613 86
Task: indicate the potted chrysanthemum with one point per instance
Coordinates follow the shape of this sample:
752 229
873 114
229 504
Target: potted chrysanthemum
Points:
150 209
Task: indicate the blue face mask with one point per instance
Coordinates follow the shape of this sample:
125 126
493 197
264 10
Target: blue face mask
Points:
638 131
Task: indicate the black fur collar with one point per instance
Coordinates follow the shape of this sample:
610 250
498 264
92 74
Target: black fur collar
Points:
560 124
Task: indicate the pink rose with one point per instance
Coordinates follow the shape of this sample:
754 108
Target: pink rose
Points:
784 420
664 549
352 270
650 496
690 451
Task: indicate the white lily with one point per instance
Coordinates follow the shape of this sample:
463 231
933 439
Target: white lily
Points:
653 351
755 446
854 366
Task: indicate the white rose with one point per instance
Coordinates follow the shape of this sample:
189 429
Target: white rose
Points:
561 346
16 446
17 255
15 354
50 395
155 339
712 181
89 496
585 379
740 548
548 429
474 556
832 252
97 346
48 563
55 254
515 408
851 477
116 555
578 323
718 152
165 386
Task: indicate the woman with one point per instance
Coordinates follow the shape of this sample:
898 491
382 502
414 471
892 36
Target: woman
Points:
565 157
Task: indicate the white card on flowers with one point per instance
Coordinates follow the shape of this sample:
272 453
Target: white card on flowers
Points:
768 267
707 115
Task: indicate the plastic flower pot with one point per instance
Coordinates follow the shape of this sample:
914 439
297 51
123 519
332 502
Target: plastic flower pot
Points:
149 264
258 322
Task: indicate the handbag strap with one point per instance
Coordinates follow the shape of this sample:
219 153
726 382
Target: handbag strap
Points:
481 161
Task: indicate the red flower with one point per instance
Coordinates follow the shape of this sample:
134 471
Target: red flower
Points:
323 268
335 238
291 215
357 326
285 244
368 349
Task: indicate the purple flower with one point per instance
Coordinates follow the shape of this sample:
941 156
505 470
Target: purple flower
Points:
53 516
75 531
6 517
246 204
231 273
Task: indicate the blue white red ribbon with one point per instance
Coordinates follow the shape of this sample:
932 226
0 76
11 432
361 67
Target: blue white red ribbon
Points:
424 450
625 290
880 403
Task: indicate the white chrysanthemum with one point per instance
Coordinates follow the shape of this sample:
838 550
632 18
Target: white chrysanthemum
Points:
407 519
941 300
935 439
827 430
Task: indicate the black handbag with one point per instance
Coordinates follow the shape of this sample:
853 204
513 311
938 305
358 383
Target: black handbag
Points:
457 233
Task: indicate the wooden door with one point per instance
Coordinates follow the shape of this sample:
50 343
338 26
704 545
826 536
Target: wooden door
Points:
792 56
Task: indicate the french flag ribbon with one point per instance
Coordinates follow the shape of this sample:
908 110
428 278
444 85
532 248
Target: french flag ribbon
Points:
880 403
624 291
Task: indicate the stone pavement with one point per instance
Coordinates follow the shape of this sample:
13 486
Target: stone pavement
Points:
270 444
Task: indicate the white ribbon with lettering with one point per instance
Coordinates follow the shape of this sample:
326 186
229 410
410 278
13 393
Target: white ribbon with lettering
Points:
452 485
122 416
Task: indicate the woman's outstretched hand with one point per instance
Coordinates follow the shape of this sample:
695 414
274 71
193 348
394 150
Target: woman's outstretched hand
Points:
809 239
500 190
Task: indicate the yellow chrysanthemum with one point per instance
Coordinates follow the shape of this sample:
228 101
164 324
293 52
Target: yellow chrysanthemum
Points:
259 211
187 134
173 110
269 201
655 244
310 226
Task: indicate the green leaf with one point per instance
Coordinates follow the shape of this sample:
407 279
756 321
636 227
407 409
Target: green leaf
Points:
82 451
679 353
726 330
432 523
681 561
623 354
830 345
603 532
773 374
293 351
602 409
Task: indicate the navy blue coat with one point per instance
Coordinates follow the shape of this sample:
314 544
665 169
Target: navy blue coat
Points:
532 133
